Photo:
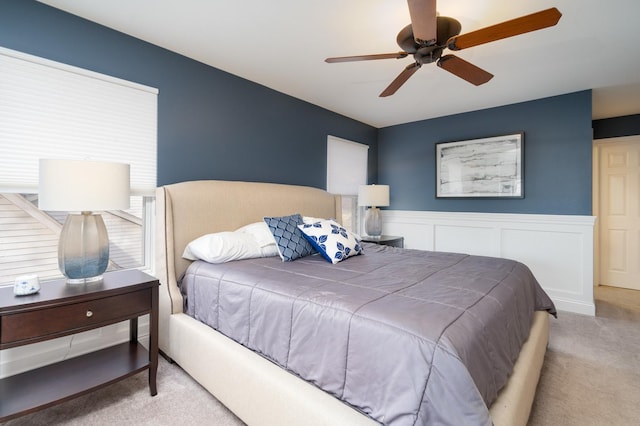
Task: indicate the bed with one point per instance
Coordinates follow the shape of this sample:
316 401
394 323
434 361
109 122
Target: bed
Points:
255 388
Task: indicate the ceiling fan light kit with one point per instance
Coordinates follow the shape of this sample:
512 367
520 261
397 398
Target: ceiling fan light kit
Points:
428 35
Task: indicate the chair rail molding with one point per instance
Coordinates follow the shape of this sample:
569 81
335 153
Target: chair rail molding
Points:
559 249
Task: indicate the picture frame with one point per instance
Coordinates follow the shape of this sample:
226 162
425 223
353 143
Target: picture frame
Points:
491 167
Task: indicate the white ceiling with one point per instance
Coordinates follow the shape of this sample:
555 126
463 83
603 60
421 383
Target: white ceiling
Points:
282 44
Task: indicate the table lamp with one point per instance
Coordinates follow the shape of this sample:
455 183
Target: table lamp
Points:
81 188
373 196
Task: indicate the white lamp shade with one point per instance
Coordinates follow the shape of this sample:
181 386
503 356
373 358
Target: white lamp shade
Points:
373 195
78 185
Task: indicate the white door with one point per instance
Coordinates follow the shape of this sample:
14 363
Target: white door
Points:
619 211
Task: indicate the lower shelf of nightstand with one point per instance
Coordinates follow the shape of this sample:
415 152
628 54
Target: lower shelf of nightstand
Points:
55 383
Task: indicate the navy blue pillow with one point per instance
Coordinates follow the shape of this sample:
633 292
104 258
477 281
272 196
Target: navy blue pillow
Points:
290 240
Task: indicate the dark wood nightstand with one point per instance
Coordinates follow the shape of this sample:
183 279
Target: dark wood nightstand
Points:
385 240
61 309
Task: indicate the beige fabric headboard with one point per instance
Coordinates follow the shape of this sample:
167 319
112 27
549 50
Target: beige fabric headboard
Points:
188 210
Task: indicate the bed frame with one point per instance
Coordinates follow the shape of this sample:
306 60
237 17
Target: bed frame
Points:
256 390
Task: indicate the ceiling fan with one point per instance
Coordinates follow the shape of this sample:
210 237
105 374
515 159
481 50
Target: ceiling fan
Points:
429 34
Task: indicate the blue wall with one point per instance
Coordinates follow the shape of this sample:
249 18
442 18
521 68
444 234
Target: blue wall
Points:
211 124
557 156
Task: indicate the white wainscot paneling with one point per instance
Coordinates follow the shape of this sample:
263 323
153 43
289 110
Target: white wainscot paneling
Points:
557 249
477 240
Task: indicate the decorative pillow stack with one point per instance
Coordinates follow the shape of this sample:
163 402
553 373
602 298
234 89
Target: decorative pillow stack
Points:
290 241
291 237
332 241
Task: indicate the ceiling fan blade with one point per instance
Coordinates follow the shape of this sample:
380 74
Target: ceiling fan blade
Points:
465 70
400 80
423 21
524 24
398 55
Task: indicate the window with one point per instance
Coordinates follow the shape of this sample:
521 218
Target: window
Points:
346 171
30 237
52 110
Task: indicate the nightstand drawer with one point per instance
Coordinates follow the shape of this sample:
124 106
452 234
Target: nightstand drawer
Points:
46 323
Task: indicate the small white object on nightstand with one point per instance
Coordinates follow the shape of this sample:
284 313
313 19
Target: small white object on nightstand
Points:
26 284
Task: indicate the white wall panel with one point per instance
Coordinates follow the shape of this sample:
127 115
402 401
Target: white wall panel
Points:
557 249
476 240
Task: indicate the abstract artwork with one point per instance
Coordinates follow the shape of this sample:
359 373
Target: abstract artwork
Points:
481 168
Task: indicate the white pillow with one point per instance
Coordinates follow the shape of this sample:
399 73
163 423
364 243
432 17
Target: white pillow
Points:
261 232
226 246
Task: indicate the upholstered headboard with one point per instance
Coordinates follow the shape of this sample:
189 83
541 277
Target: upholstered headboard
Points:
187 210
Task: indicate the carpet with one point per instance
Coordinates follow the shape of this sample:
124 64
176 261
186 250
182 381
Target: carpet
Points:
591 373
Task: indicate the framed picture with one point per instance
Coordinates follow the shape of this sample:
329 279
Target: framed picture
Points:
481 168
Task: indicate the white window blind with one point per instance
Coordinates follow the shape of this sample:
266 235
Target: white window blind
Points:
346 171
346 166
53 110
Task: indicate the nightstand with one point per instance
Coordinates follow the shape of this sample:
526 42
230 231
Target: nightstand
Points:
61 309
385 240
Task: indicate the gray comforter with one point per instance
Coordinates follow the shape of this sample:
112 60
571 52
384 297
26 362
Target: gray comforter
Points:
406 336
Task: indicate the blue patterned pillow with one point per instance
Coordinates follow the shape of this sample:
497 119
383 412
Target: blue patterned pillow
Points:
332 241
289 239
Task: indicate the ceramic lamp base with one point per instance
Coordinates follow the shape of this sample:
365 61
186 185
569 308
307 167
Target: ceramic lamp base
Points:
83 249
373 222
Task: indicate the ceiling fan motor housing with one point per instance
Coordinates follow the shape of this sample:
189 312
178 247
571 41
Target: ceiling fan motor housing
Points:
425 54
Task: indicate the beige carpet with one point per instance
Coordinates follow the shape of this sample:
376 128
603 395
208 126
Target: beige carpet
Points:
591 376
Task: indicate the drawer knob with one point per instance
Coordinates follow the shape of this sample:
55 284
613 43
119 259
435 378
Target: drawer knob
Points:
89 314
